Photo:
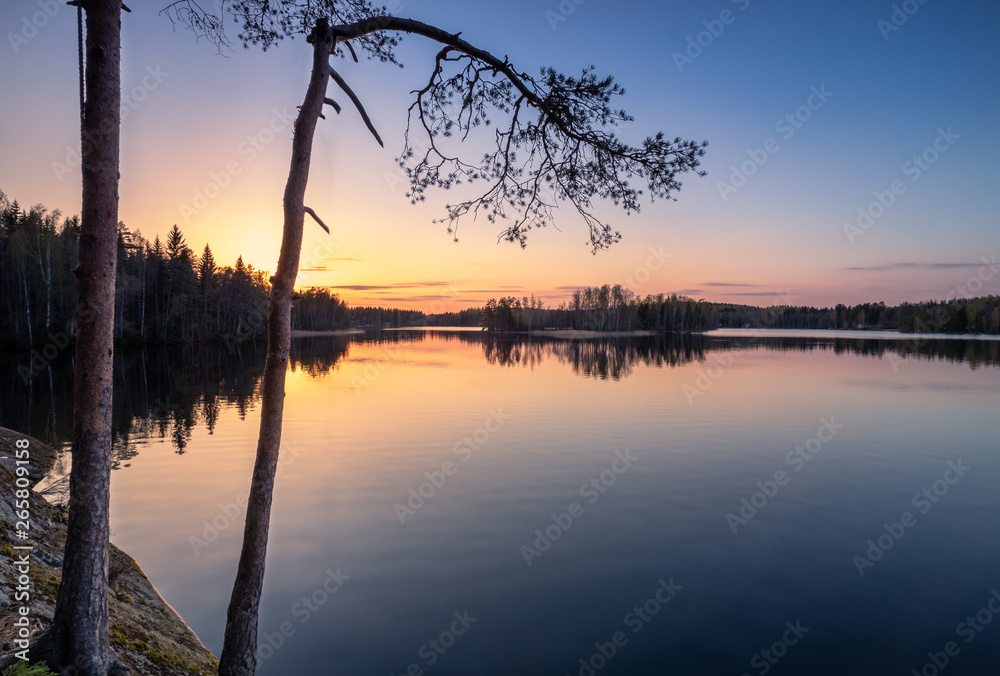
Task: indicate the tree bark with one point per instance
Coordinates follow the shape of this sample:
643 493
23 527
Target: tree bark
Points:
239 651
78 636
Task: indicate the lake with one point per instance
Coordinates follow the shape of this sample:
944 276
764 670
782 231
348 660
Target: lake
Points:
451 504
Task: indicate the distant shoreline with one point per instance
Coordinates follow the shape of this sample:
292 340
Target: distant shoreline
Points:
867 334
578 333
299 333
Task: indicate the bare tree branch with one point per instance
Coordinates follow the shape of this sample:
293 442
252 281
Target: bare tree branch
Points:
316 218
559 143
567 152
357 103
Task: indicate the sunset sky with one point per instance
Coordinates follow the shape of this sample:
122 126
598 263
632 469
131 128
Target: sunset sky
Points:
884 86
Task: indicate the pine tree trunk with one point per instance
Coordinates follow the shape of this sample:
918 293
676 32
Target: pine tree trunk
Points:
239 651
78 636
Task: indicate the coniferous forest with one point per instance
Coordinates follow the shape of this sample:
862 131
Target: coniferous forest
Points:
165 292
615 308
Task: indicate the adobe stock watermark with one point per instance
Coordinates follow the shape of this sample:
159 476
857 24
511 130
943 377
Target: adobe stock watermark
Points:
714 28
130 100
302 610
769 488
939 314
563 11
643 273
768 657
900 14
563 521
787 126
42 358
229 513
375 368
248 149
635 620
439 304
58 341
465 449
30 26
894 532
431 651
707 376
968 629
390 355
402 174
914 169
974 284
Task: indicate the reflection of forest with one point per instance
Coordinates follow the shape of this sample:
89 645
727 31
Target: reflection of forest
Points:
616 357
158 393
601 358
166 393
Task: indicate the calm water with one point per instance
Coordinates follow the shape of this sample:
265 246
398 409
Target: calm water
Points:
617 469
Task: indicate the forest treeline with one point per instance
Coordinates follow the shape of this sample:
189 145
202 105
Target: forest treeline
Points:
605 308
166 293
615 308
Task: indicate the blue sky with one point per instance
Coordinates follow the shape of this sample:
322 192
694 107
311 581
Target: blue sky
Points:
889 91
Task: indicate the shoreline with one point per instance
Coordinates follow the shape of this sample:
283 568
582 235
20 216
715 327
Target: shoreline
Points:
147 633
299 333
849 334
573 334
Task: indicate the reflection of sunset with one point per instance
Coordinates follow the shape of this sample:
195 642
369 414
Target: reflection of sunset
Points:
362 428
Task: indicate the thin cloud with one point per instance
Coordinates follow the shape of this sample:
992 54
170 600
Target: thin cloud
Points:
387 287
727 284
500 289
911 266
415 299
757 293
326 268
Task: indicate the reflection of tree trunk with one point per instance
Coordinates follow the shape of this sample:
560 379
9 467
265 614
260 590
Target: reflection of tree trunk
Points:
78 636
142 300
27 308
239 651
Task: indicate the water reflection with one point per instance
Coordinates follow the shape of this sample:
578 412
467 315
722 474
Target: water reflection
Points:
167 393
601 358
160 393
372 417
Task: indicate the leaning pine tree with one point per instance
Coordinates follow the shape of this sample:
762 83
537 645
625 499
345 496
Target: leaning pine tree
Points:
556 145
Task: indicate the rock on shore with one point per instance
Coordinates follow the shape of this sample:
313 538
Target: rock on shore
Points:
146 633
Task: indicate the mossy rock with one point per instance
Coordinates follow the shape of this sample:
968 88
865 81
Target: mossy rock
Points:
149 637
25 669
41 456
